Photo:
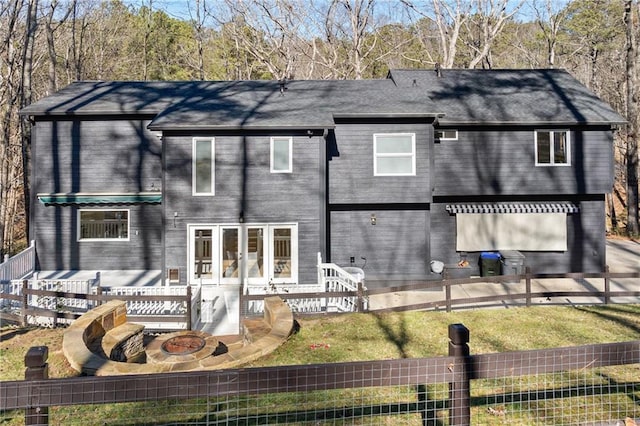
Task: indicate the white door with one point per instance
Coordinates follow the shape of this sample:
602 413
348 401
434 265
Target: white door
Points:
202 254
232 254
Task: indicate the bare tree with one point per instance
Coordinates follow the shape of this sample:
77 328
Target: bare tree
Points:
52 23
551 21
489 20
267 30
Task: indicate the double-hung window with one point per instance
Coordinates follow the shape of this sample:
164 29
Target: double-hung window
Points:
394 154
553 148
281 155
103 225
203 166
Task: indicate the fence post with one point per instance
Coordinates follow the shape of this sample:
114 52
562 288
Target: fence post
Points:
447 294
360 306
460 390
98 293
37 369
527 284
188 296
25 301
607 285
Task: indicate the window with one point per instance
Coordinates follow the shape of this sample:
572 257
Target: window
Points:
552 148
445 135
394 154
103 225
203 180
281 158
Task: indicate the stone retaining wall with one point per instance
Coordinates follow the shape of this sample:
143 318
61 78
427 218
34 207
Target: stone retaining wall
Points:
103 333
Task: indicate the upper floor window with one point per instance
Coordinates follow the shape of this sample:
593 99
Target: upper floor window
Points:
281 155
394 154
446 135
103 225
553 148
203 166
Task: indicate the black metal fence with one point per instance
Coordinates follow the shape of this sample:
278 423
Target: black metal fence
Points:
574 385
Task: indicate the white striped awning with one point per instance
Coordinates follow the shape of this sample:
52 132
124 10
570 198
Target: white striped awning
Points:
513 208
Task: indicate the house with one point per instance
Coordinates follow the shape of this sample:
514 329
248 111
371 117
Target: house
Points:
235 182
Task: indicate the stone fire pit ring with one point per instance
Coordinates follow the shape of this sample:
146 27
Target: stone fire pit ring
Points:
181 347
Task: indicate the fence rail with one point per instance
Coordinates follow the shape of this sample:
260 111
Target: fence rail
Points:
460 370
159 308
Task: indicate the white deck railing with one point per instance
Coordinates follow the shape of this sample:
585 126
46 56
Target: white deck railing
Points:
19 266
335 279
306 305
331 279
151 307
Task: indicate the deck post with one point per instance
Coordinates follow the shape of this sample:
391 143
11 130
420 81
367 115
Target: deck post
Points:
460 389
447 294
37 369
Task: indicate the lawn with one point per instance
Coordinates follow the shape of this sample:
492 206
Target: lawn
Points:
358 337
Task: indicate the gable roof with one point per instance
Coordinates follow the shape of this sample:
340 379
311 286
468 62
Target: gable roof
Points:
549 96
458 97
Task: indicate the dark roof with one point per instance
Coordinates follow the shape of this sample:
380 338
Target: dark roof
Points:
108 98
303 104
458 97
534 97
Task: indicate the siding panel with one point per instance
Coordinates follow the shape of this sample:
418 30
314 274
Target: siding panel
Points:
95 155
351 178
501 161
244 186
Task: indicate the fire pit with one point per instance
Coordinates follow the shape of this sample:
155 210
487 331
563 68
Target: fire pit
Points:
183 345
180 347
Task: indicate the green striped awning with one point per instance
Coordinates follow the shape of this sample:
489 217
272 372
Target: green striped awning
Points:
76 198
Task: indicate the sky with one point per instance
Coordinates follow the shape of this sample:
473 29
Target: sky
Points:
180 8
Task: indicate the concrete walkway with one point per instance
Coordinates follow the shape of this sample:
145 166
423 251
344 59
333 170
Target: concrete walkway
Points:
622 256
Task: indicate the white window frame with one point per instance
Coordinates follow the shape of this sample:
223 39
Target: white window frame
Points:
443 137
194 168
289 169
79 225
377 155
552 133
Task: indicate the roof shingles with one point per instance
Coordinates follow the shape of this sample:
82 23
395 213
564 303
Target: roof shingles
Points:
459 97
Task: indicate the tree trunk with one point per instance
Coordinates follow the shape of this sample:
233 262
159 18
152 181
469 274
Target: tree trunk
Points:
26 98
633 221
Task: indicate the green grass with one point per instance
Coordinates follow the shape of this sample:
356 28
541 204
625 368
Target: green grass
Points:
358 337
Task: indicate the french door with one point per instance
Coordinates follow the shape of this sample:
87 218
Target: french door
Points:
251 253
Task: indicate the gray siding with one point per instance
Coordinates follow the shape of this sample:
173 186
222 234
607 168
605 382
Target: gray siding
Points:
501 161
244 183
58 247
95 156
396 247
585 241
351 178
